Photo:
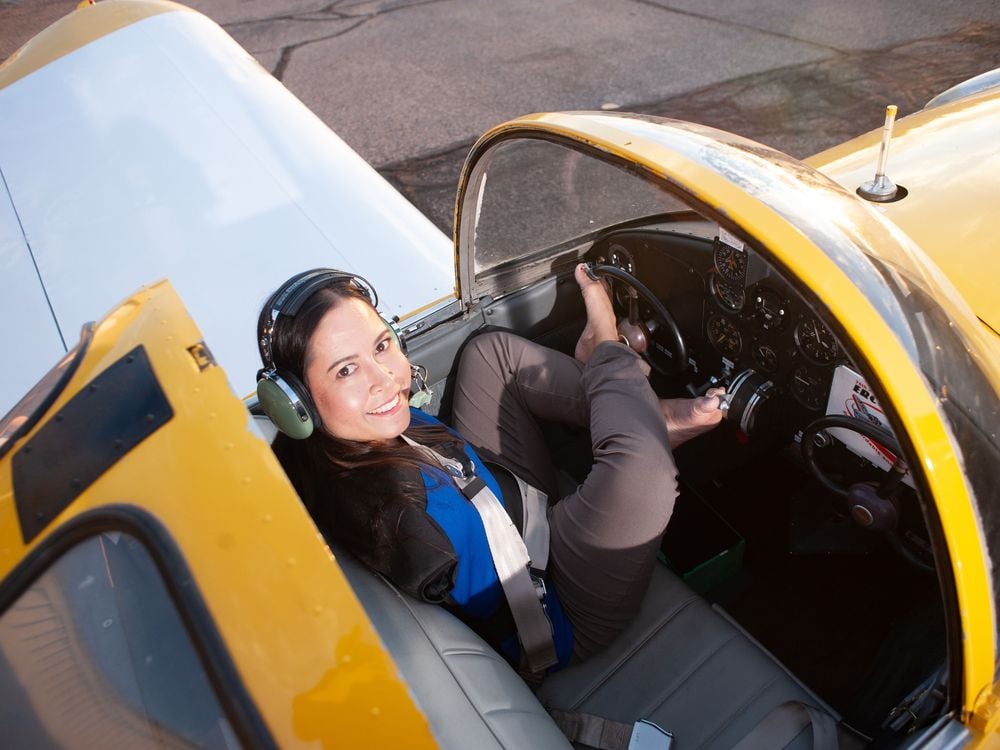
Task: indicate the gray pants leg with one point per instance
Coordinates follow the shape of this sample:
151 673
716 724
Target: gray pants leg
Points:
605 535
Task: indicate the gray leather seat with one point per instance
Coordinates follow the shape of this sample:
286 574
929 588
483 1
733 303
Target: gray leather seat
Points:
681 664
471 696
686 667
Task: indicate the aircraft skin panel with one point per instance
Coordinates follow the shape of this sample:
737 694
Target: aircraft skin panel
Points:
164 150
30 332
81 27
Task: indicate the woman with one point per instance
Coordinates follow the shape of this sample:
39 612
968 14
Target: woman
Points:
366 475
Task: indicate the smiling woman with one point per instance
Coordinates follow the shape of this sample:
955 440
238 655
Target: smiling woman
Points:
370 470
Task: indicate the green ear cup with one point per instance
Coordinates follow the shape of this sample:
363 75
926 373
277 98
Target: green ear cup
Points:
284 408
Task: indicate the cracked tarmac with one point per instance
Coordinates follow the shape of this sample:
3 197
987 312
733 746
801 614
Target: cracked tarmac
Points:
410 84
800 109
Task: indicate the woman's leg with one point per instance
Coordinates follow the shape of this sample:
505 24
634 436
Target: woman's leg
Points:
504 385
605 535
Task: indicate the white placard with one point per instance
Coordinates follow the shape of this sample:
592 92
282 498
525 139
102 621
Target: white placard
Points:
730 239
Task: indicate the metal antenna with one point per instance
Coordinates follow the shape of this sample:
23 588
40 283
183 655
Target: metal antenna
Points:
882 189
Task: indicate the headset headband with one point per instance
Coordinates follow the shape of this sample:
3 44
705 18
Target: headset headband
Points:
290 297
283 395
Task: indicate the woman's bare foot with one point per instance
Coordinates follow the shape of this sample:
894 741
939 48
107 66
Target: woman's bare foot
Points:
689 417
600 314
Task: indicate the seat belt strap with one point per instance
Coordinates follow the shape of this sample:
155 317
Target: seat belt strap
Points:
605 734
535 507
528 505
786 722
524 595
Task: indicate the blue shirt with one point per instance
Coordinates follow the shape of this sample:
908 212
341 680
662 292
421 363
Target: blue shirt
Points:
477 590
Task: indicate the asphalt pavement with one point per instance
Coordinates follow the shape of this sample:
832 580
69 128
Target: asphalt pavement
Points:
410 84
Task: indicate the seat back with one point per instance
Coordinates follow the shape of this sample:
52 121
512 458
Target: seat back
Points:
470 695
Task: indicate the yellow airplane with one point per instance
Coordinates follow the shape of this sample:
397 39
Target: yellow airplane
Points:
161 585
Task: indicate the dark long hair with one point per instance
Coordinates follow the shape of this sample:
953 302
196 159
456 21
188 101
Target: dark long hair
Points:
346 484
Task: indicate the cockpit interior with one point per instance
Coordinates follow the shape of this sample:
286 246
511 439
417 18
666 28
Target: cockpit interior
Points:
798 521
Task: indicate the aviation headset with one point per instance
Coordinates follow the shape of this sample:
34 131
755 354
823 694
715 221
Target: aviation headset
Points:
283 397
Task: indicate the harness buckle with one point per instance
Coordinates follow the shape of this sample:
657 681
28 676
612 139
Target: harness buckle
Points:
649 736
540 590
460 469
456 470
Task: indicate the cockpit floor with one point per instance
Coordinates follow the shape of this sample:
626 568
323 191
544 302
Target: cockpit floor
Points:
844 612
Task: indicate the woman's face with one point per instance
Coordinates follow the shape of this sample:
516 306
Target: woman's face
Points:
357 375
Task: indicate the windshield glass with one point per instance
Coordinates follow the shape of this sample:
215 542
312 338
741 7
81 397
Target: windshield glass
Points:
541 195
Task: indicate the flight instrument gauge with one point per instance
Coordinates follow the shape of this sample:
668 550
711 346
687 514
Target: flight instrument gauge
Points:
765 357
816 342
621 258
808 388
730 297
724 335
730 263
771 309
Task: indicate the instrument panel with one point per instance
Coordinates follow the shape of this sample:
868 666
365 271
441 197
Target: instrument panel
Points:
775 334
735 313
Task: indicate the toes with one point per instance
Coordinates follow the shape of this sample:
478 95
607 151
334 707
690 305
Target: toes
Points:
688 418
582 277
600 324
587 284
706 408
